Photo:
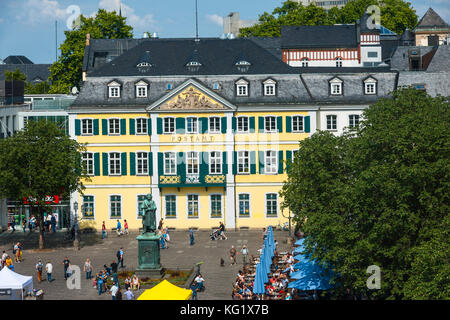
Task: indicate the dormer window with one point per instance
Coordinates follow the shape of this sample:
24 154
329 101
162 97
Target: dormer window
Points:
216 86
370 86
243 65
169 86
269 87
305 62
193 66
242 88
114 89
336 86
141 89
144 62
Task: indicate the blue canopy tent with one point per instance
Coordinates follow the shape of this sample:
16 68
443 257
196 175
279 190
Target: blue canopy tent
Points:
299 249
299 242
311 276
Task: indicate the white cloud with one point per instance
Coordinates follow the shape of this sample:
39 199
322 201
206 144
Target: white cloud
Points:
146 22
36 11
216 19
1 20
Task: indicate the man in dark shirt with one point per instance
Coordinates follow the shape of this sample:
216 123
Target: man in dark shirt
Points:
66 263
114 267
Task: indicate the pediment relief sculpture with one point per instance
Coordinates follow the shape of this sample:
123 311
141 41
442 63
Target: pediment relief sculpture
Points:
191 99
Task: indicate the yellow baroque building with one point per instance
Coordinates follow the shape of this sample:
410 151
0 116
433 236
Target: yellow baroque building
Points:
208 127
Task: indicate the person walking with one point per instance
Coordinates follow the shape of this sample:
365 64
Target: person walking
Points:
191 236
244 252
125 227
119 228
49 270
119 256
104 233
161 223
24 225
88 269
39 268
13 225
232 255
114 290
100 283
66 263
53 223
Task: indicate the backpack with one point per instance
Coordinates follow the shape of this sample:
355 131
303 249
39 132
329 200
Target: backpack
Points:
118 254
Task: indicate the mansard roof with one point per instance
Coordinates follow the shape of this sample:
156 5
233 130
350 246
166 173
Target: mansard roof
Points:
336 36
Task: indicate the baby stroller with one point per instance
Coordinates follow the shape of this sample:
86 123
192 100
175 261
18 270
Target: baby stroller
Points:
215 235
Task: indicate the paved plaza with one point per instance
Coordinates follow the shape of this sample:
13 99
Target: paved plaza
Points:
218 280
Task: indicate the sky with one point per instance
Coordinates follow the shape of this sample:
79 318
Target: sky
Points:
27 27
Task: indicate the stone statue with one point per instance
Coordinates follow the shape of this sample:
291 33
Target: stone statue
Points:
148 215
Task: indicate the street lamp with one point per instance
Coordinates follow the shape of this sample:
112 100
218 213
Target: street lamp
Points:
76 243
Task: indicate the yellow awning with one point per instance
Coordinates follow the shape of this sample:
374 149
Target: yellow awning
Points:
166 291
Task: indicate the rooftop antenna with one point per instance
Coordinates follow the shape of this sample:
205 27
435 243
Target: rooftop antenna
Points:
56 40
196 20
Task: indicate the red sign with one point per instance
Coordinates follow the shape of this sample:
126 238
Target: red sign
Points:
48 200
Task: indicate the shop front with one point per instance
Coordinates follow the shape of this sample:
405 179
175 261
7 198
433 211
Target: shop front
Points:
20 211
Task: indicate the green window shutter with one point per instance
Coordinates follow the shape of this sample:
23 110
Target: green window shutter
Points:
77 127
105 127
280 124
223 124
149 126
160 164
288 159
181 167
280 162
224 163
105 164
132 126
288 124
123 163
204 164
97 164
150 163
261 162
123 126
307 124
96 127
261 124
132 163
235 162
233 124
159 125
203 123
180 125
252 162
252 124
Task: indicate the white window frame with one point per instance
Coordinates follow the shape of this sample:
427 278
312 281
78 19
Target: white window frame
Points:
274 166
217 162
137 205
146 167
265 124
277 203
350 124
109 126
248 124
169 119
336 89
303 123
196 125
241 158
242 88
110 166
187 206
218 128
270 87
249 205
188 159
221 205
110 207
112 87
144 123
82 207
87 161
141 85
87 133
165 206
370 83
174 161
332 116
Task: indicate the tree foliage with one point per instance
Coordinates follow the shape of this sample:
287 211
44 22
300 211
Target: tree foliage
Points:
67 71
379 195
39 161
42 87
396 15
16 75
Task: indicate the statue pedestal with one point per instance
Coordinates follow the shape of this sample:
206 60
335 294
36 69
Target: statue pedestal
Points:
149 256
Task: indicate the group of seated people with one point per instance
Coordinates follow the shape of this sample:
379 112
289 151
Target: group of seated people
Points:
243 287
100 281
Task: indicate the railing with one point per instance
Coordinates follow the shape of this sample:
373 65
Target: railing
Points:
192 180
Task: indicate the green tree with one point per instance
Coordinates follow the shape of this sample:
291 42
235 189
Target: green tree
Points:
15 75
42 87
67 71
379 195
39 161
396 15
